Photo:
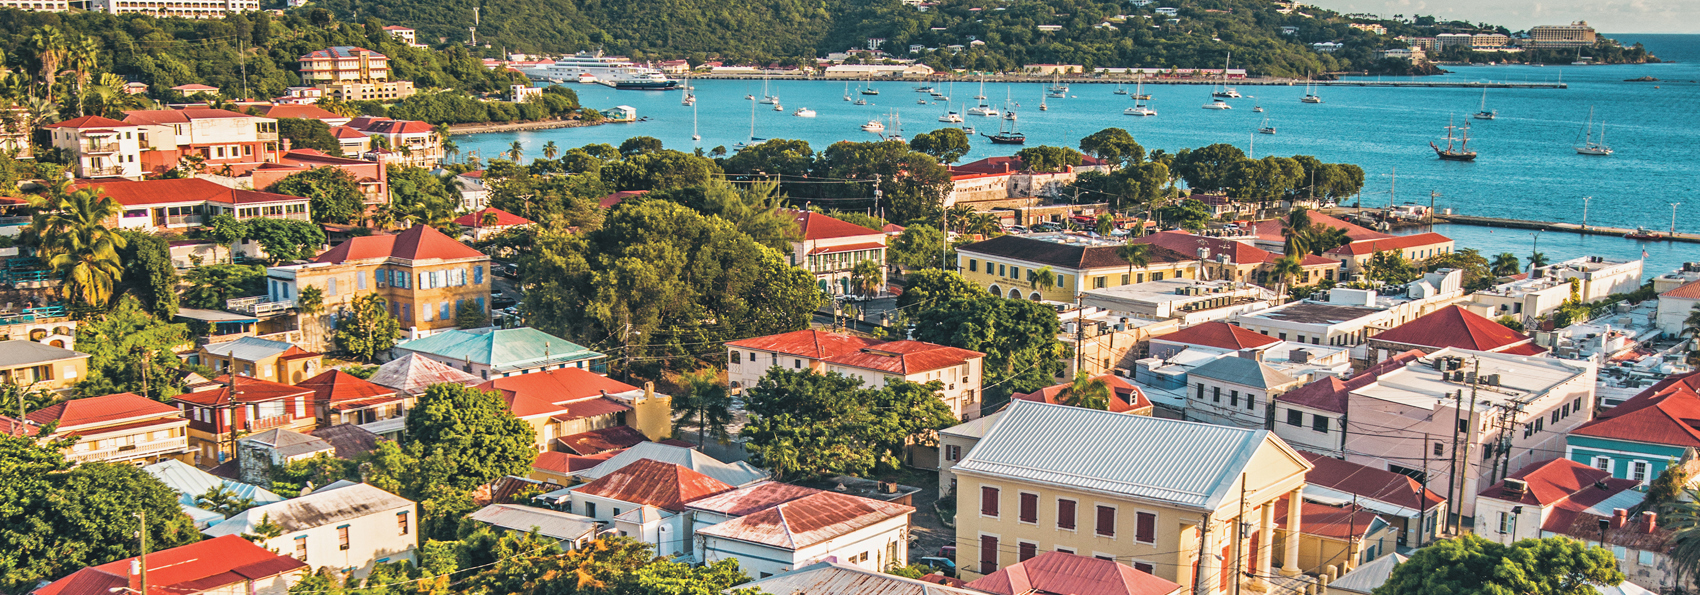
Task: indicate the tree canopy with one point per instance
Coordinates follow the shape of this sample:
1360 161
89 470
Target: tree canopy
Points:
804 424
1471 565
1019 337
334 194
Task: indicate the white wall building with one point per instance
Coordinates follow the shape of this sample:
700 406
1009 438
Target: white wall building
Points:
1348 317
347 527
100 147
875 362
773 528
189 9
1675 306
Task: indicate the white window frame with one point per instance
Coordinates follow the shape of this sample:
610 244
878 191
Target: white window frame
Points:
1609 464
1646 469
1038 502
1156 516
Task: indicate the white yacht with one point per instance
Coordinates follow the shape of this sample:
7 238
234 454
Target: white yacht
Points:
804 113
874 126
613 71
1217 104
952 117
1139 110
983 110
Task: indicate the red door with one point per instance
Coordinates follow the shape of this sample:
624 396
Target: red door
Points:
1230 567
1251 560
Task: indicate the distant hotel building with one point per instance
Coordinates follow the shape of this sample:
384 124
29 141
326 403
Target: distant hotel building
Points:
188 9
1577 34
49 6
353 73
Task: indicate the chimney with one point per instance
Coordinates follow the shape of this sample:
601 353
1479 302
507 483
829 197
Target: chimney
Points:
1652 519
648 390
1619 517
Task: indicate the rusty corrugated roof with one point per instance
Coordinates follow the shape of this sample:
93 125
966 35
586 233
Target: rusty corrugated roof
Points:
662 485
807 521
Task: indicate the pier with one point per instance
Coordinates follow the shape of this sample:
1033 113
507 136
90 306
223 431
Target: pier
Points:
1563 227
1416 82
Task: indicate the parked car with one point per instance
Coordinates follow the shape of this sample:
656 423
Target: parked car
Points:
943 566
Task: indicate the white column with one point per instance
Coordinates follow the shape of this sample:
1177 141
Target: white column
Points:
1265 544
1290 562
1209 568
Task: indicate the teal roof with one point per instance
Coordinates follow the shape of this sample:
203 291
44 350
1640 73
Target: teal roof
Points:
501 349
190 483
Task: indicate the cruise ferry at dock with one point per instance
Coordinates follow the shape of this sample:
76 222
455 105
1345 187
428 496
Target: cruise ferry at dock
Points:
613 71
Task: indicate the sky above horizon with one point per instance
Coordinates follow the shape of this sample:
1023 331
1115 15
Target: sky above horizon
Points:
1607 16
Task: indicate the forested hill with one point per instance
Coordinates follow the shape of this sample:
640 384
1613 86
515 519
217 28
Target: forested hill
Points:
794 31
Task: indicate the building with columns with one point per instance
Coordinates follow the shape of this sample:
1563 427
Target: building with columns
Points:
1191 503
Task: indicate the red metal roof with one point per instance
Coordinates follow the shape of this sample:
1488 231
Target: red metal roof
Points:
590 408
807 521
1127 396
1330 394
608 202
1689 291
564 391
1369 482
342 132
302 111
816 226
1218 334
1561 482
1454 326
1666 413
242 389
1371 246
400 127
177 116
93 411
654 483
603 440
566 463
1059 572
337 387
172 191
1270 229
421 242
224 563
752 499
88 122
1333 522
810 343
905 357
1186 243
503 218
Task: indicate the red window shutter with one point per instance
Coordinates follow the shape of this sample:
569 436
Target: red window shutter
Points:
1065 514
988 501
1106 521
988 554
1028 550
1226 573
1146 529
1029 508
1143 567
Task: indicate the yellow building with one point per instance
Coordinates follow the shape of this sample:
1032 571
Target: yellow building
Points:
1007 265
1164 496
566 402
265 359
118 428
41 367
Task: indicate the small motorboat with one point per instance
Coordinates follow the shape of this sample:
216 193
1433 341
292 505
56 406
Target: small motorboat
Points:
922 101
747 97
804 113
874 126
772 99
1139 110
952 117
861 102
1217 104
1642 234
777 107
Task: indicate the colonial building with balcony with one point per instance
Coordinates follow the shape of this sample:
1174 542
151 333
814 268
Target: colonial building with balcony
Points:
99 147
180 204
118 428
238 405
424 276
188 9
353 73
220 138
831 249
255 357
372 176
408 142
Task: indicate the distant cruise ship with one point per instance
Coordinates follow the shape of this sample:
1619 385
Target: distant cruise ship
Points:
616 72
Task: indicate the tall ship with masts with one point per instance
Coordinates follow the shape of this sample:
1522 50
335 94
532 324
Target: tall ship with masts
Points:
1457 147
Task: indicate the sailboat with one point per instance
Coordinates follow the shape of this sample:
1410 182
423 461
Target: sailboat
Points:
1484 114
689 98
896 123
870 90
1042 106
982 95
1589 145
1139 98
1265 127
1217 104
767 97
1120 90
694 135
1007 137
1310 94
1227 91
1462 151
753 140
982 109
1257 106
1138 92
847 90
951 118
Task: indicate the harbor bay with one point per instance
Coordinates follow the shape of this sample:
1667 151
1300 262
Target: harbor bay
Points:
1528 168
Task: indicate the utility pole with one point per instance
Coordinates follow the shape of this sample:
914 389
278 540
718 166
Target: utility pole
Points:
1393 189
1464 464
1452 454
1079 335
143 559
1433 194
1585 200
1673 207
1422 519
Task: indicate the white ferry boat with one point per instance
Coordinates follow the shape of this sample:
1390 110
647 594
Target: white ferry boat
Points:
619 73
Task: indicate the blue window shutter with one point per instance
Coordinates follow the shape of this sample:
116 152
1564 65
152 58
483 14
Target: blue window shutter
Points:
478 275
444 310
480 304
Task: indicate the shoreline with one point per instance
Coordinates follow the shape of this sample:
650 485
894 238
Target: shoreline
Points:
1413 81
458 129
1573 228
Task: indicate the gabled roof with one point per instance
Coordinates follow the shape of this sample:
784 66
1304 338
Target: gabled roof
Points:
1688 291
341 51
1331 394
327 506
1334 522
809 343
567 463
18 352
752 498
735 474
1270 229
816 226
349 440
252 349
548 523
1058 572
178 116
838 578
1069 256
1561 481
421 242
148 192
905 357
413 373
1454 326
302 111
1218 334
1369 482
662 485
503 218
336 386
242 389
1127 397
501 349
92 412
345 132
570 393
1371 246
288 444
807 521
190 483
603 440
399 127
228 561
1244 372
88 122
1363 580
1178 463
1666 413
1186 243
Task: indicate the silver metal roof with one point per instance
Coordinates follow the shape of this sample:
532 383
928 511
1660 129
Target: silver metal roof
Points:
737 474
1364 579
844 579
553 524
248 348
1180 463
328 505
1244 372
25 353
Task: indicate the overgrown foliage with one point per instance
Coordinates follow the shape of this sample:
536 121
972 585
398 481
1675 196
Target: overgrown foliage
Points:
806 425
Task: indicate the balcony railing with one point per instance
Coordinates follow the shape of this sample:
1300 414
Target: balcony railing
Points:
100 148
258 305
104 171
267 423
183 220
176 444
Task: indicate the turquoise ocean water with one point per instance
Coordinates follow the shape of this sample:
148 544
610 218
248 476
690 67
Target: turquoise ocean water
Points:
1527 168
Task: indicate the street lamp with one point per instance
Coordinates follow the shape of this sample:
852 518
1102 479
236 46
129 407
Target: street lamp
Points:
1585 200
1673 207
1536 249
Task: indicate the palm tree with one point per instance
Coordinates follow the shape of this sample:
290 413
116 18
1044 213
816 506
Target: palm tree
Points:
1296 228
550 150
982 223
1136 255
516 152
1321 239
1505 265
50 49
1693 321
960 215
865 278
1285 269
1537 260
451 150
703 404
84 56
1086 392
1043 278
78 246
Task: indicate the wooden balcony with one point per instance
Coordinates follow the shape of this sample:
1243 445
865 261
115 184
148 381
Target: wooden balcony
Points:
137 450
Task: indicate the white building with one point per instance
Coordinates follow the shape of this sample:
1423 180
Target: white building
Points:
874 362
347 527
1188 300
100 147
772 528
1349 317
1518 411
191 9
1235 391
1676 305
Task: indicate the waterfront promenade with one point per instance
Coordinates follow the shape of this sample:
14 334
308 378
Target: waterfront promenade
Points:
1392 82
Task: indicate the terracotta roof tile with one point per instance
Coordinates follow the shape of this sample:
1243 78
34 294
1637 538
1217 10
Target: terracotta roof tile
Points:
1059 572
1561 482
654 483
1666 413
1371 246
242 389
816 226
1369 482
228 561
562 391
1689 291
336 387
1453 326
1220 335
421 242
904 357
1270 229
1127 396
503 218
1187 243
94 411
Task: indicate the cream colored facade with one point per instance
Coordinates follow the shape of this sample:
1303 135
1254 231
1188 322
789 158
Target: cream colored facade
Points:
1011 277
48 368
961 383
